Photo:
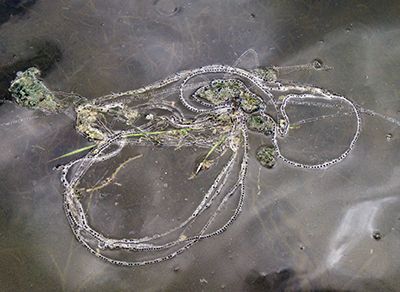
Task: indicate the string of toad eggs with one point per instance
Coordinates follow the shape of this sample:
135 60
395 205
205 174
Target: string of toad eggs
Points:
75 212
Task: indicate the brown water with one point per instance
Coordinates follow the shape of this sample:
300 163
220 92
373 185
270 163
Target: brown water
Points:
337 229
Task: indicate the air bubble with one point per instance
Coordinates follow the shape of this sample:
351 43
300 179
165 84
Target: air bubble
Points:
377 235
317 64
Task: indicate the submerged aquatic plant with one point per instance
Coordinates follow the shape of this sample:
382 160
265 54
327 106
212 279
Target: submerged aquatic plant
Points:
194 108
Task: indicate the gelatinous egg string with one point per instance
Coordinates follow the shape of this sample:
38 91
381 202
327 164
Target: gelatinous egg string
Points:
223 105
213 108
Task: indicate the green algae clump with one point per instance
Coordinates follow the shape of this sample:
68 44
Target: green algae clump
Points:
219 91
260 124
266 156
249 103
29 91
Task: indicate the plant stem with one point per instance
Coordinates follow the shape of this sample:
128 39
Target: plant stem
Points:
213 148
75 152
125 136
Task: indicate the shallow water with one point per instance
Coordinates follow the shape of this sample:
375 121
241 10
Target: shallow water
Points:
335 229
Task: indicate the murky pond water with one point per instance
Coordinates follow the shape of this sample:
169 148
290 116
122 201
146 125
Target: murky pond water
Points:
299 229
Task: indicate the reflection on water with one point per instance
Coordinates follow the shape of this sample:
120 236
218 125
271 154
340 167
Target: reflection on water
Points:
295 222
359 223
